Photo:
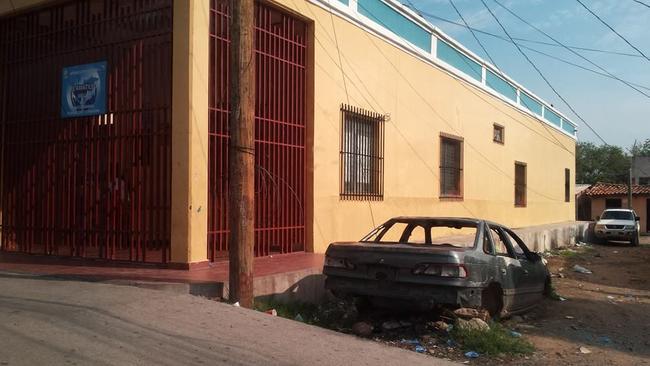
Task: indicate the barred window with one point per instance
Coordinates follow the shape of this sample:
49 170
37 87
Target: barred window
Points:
567 185
451 167
362 154
520 184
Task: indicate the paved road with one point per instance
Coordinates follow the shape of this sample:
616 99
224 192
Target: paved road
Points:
45 321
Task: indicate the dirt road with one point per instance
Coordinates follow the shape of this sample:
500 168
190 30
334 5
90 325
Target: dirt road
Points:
608 311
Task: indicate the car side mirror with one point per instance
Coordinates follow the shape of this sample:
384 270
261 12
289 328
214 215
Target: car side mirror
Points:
597 218
637 218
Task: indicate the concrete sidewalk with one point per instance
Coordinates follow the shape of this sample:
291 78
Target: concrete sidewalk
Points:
287 277
61 322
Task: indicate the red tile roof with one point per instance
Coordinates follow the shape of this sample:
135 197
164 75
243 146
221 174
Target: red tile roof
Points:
611 189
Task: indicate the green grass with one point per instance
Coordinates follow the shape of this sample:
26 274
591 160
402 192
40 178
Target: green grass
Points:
493 342
568 253
335 315
573 252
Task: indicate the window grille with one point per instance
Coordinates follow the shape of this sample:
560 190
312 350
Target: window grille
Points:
451 167
362 154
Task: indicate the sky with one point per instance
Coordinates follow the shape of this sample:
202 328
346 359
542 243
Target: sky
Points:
616 112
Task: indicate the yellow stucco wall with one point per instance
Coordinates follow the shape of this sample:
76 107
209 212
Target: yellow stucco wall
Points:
424 101
189 211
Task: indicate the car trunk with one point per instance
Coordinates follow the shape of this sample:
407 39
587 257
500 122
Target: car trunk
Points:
393 262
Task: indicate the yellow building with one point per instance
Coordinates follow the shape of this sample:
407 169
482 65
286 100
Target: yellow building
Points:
364 112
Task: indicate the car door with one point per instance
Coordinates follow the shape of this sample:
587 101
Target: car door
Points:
511 274
530 288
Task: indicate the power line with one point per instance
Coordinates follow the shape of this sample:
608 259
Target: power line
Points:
542 75
642 3
470 30
434 110
580 66
478 151
613 30
488 55
579 48
570 50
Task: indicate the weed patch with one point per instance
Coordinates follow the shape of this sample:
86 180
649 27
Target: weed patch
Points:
495 341
335 315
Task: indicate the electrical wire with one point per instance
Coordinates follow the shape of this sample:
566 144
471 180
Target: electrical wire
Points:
579 48
582 67
642 3
541 74
570 50
471 31
478 151
491 59
613 30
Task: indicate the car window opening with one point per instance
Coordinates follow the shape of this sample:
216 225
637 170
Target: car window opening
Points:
424 233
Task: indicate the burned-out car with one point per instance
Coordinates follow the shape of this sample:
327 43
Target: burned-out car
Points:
450 262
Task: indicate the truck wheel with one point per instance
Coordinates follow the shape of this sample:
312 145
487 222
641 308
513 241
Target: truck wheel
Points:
635 240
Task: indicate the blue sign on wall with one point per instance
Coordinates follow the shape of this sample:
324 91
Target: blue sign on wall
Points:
83 90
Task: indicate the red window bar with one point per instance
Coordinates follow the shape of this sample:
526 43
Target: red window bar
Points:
280 42
90 186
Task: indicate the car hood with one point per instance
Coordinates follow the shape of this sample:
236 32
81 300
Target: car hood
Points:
616 222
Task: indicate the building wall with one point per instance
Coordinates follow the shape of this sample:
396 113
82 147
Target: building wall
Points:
354 67
641 170
639 205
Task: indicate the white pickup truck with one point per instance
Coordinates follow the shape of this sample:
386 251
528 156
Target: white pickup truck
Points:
618 224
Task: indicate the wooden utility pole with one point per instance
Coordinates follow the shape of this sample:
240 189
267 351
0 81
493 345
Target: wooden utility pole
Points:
3 143
241 169
629 182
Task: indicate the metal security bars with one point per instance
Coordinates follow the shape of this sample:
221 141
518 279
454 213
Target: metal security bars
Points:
362 154
99 186
451 167
280 119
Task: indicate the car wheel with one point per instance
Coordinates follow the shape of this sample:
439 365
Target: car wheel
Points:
548 288
492 300
635 240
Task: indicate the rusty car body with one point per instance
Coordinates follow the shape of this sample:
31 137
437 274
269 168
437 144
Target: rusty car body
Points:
421 260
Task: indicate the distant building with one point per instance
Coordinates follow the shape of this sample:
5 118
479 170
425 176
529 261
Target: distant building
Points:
601 196
641 170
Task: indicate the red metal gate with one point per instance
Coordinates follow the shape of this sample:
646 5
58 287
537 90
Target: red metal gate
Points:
280 43
90 186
